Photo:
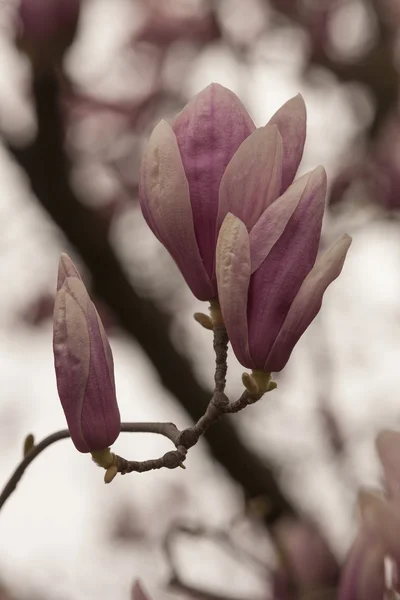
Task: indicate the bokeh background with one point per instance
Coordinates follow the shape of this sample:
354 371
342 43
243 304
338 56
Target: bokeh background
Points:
82 83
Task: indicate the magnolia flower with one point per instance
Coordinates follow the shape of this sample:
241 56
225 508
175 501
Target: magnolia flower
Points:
84 364
379 536
309 565
194 172
269 287
381 514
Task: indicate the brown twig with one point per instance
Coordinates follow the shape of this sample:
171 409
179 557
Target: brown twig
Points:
168 430
183 440
219 536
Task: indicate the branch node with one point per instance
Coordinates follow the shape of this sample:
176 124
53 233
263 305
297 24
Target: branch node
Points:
188 438
172 459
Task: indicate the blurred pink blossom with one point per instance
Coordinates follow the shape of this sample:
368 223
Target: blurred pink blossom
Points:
196 171
308 565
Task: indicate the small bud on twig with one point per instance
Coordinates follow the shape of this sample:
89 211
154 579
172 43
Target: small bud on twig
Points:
103 458
29 443
203 320
249 383
110 474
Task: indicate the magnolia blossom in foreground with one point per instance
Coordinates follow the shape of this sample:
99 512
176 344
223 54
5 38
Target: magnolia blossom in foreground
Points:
308 565
84 364
379 537
269 287
194 172
363 575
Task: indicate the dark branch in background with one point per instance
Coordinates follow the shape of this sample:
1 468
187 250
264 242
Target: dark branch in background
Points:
47 168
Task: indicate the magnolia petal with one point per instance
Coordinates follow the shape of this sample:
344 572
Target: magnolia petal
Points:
66 268
100 416
71 361
307 553
307 302
388 447
382 519
252 180
276 282
209 130
291 120
138 592
233 276
85 385
164 196
363 576
371 583
273 221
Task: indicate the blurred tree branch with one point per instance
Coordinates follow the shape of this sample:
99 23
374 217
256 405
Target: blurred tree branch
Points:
47 169
376 70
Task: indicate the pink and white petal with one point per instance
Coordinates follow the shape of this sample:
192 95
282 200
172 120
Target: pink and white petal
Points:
72 354
307 303
291 120
273 221
209 130
382 519
363 575
66 268
101 422
371 583
166 203
252 179
275 283
388 447
233 276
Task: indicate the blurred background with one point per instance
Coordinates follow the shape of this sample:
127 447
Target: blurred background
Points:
265 508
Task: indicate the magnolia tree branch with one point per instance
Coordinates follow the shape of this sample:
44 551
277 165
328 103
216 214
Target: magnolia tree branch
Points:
47 168
168 430
183 440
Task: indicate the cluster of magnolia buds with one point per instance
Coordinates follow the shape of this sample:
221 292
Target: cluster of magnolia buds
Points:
219 195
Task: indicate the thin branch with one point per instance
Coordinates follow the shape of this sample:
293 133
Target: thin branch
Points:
168 430
220 537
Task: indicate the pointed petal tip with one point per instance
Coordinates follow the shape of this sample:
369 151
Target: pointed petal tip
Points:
297 103
319 174
162 128
344 242
66 268
230 220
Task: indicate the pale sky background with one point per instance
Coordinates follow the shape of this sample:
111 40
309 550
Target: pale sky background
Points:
53 530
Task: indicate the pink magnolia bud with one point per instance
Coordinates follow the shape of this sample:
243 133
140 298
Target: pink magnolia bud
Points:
190 178
84 364
270 287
